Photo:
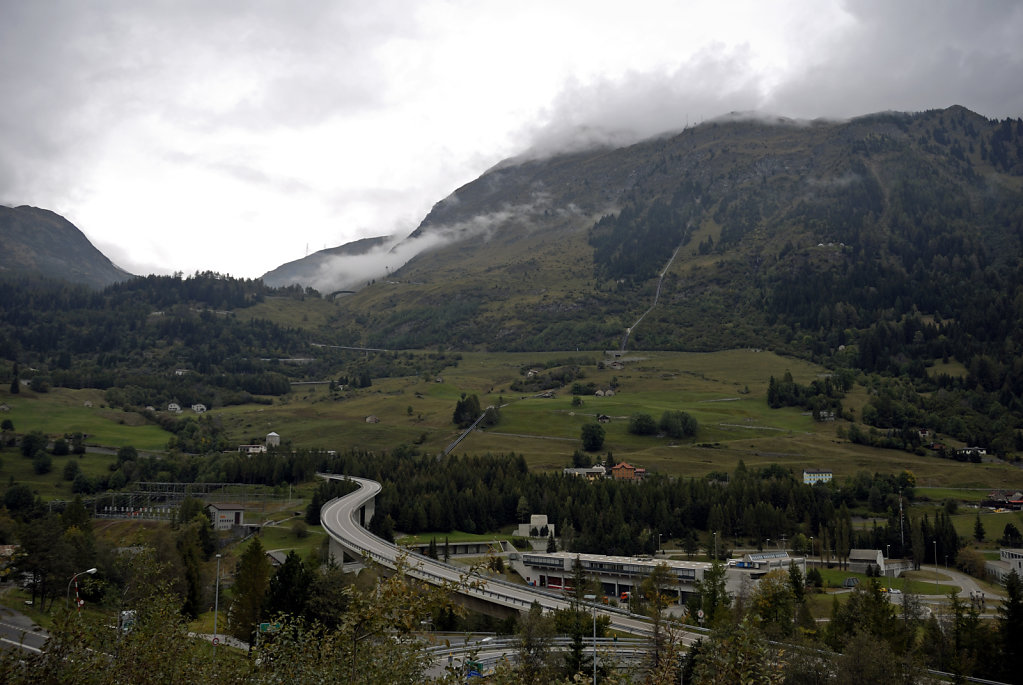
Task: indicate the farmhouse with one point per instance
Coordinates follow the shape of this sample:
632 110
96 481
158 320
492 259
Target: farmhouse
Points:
174 407
199 408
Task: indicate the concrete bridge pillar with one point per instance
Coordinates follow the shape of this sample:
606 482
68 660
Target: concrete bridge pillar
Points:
366 512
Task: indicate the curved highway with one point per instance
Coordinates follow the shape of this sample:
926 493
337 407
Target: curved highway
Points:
338 519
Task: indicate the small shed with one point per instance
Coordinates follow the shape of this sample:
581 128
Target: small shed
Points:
226 516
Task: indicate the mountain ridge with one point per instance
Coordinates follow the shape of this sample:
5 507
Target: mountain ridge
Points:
40 242
564 250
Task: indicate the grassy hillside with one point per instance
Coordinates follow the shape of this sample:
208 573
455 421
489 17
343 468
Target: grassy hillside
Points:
62 410
724 391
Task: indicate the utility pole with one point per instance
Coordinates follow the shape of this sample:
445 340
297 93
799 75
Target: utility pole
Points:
902 528
216 609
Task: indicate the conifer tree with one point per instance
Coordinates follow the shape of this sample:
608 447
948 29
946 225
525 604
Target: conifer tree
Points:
251 580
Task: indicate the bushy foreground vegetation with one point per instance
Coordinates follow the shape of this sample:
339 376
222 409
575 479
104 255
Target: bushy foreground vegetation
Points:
322 625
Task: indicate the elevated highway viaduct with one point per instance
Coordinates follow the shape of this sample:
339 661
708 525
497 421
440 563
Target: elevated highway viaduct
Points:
344 519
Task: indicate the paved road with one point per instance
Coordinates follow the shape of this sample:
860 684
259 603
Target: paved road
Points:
17 631
967 584
337 517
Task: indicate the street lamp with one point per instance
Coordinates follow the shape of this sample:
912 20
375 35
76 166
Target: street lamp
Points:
216 608
68 602
811 546
593 607
936 591
659 544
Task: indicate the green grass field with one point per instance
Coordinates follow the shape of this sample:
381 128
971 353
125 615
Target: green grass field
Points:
283 537
908 582
994 523
724 391
50 485
61 411
958 494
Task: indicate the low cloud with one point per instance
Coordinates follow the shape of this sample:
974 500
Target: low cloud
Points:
352 272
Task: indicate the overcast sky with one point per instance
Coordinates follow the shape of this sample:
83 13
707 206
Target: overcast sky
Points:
234 135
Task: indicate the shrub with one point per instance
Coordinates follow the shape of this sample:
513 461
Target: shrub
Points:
642 424
41 463
678 424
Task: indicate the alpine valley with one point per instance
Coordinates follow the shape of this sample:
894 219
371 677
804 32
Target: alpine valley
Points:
882 246
825 316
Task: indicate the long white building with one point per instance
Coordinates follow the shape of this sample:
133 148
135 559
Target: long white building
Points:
619 576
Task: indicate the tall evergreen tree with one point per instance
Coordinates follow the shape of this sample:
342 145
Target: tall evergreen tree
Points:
288 591
251 580
1010 628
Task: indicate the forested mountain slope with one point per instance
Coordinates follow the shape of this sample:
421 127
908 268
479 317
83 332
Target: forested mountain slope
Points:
799 236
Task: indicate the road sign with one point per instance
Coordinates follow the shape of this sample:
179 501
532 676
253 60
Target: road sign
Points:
216 641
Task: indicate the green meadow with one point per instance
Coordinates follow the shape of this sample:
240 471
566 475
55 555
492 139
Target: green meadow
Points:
725 392
61 411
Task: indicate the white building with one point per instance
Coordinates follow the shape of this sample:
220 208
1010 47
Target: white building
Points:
589 472
273 440
226 516
860 559
1009 560
537 523
619 576
814 476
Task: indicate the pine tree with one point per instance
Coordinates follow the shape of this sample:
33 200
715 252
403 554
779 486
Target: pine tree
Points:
251 580
288 590
1010 626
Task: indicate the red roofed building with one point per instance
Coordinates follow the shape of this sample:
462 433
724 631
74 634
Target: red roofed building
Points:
623 471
